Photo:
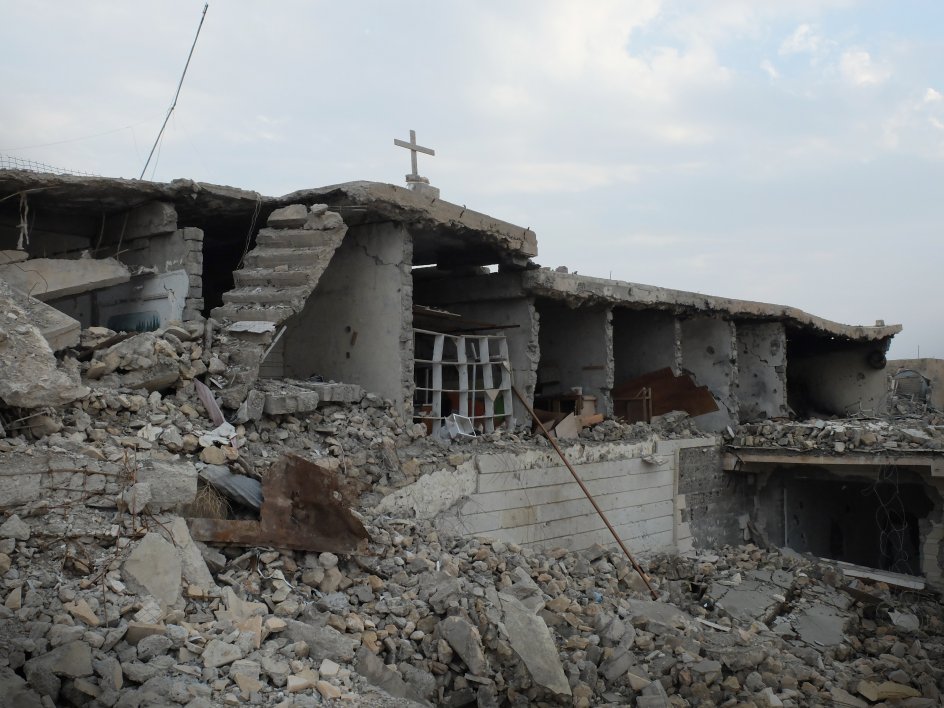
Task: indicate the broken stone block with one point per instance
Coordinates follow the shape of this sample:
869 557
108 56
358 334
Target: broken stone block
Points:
323 642
72 659
218 653
193 568
532 641
466 642
292 216
15 691
154 568
15 528
173 483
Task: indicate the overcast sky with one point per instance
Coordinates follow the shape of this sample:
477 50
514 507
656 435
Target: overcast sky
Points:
787 151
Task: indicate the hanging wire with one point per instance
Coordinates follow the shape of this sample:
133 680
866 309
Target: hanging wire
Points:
177 94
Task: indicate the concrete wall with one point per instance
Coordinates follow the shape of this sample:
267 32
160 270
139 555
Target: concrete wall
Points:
762 370
713 502
576 347
356 327
838 382
531 498
180 250
643 341
709 352
931 369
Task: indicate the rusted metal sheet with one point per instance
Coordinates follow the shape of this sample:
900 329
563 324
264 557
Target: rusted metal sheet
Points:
304 508
667 392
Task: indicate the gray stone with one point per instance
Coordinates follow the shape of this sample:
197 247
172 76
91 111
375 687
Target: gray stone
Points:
173 483
618 664
532 641
73 660
323 642
153 645
292 216
373 669
15 692
15 528
217 653
466 642
193 566
820 625
154 568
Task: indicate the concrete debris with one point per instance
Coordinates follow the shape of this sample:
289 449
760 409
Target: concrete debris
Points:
847 435
30 376
433 620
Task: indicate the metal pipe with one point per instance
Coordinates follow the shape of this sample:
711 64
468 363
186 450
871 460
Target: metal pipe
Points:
586 491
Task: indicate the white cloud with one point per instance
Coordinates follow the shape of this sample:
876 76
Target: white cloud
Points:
769 69
857 68
803 40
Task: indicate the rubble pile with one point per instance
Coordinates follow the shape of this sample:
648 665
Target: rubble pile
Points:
905 434
106 599
139 615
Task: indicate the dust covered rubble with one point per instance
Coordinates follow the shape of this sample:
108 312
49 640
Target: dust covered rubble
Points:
139 615
861 435
106 600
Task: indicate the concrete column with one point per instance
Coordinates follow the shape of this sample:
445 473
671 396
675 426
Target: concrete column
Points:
709 352
762 370
353 326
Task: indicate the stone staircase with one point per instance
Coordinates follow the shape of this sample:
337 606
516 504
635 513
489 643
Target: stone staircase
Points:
276 280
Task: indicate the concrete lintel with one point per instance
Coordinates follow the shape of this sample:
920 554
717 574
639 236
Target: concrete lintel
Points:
758 460
636 295
51 278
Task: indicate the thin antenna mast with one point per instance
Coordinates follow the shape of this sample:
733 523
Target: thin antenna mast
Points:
176 95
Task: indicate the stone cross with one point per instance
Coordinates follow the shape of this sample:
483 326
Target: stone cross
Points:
414 148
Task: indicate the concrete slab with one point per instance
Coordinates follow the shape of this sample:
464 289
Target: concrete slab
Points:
821 626
59 330
50 278
589 290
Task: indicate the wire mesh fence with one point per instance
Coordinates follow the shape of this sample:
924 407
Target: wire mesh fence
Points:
8 162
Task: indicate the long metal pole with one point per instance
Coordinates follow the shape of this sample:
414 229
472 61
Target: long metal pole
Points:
176 95
586 491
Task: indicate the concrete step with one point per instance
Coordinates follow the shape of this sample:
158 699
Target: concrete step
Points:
266 313
298 238
268 277
266 257
266 294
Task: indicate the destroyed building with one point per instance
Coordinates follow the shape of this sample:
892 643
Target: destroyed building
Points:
167 339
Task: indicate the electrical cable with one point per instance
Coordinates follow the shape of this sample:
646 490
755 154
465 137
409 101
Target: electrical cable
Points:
177 94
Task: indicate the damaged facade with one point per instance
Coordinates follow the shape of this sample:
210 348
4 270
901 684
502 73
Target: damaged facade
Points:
167 343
